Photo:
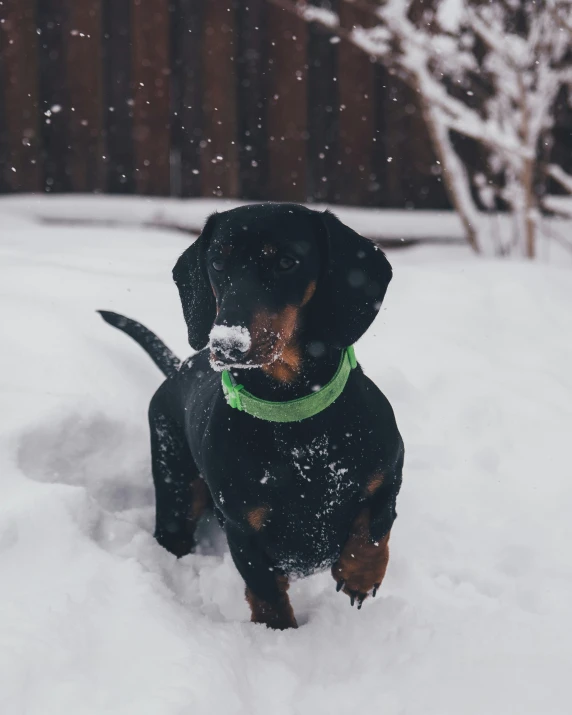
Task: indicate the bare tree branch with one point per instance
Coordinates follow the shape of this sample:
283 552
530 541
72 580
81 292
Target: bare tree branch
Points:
524 71
559 175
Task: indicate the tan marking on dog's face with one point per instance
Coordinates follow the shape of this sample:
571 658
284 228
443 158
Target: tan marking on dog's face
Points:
217 307
374 484
269 249
310 290
287 365
274 343
225 250
288 320
256 517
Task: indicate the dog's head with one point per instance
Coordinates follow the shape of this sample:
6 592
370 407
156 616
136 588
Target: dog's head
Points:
262 279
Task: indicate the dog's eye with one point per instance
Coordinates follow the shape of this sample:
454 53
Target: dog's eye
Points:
287 263
217 264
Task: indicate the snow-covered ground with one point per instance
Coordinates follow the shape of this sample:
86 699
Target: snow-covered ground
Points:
392 226
474 616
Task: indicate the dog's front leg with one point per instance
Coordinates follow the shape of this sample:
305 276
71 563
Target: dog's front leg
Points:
362 564
266 586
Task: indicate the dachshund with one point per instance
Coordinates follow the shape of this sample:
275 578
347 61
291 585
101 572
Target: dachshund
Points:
272 422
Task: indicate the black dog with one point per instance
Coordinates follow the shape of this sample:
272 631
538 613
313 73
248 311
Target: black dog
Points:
277 292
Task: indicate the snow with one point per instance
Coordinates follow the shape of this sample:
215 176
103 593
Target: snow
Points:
192 214
474 615
450 15
390 225
526 70
321 15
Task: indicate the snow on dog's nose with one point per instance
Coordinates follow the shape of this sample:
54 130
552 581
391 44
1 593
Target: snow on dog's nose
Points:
228 344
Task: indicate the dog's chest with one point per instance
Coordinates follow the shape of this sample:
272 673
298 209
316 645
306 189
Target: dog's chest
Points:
298 485
311 491
318 468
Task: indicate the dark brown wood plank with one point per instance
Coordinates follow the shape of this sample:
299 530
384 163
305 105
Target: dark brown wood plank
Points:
382 149
151 96
323 110
219 155
252 78
187 123
560 152
287 106
118 102
357 180
19 160
405 160
54 99
85 91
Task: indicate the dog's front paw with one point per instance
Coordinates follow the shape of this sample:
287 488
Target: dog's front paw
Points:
178 544
362 564
277 614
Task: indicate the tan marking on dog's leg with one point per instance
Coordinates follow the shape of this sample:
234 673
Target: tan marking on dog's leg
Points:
279 615
200 499
363 562
374 483
256 517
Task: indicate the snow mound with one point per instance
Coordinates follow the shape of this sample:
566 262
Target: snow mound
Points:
474 615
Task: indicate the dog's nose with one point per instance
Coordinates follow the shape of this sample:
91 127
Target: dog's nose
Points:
227 352
229 343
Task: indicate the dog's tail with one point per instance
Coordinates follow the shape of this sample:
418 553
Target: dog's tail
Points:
165 360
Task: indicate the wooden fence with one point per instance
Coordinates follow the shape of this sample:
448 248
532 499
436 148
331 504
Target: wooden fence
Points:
203 98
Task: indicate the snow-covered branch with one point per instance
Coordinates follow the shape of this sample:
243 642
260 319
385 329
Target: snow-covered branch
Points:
522 63
559 175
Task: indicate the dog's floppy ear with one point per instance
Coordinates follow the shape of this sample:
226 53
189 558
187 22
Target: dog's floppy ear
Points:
197 298
352 288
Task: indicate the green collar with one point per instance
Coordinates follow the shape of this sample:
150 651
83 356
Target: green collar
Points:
292 410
